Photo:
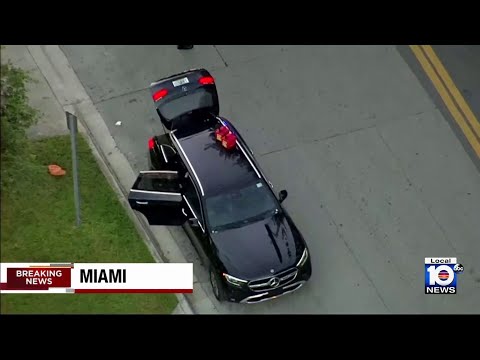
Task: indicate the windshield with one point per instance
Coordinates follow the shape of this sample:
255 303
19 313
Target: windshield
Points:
251 203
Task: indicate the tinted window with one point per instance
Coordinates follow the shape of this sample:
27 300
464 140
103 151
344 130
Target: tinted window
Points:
201 98
238 207
192 197
161 181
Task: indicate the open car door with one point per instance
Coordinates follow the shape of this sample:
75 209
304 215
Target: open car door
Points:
179 98
157 195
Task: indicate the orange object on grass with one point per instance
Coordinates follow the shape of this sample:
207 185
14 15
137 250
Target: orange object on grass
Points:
56 170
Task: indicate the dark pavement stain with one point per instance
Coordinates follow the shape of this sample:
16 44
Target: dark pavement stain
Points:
467 93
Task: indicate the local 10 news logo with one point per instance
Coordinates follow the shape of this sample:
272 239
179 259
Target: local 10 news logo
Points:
441 275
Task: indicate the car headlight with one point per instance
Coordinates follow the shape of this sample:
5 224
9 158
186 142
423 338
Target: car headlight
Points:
234 281
303 259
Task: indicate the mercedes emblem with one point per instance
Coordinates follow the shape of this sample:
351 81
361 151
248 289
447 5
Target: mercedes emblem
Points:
274 282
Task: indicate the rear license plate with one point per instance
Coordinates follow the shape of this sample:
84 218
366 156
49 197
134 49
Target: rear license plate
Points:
180 82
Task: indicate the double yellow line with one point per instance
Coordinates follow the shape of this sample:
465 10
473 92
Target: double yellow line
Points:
450 94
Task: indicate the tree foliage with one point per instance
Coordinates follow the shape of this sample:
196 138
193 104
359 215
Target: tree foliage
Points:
15 112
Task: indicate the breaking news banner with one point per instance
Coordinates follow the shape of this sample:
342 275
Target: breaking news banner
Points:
441 275
91 278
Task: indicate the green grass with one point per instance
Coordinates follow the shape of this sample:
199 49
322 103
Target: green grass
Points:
38 225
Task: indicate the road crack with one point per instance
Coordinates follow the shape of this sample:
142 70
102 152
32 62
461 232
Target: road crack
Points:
319 140
351 251
404 173
220 54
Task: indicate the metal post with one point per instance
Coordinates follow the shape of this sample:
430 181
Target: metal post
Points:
72 126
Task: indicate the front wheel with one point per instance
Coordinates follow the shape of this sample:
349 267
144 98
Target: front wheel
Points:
217 285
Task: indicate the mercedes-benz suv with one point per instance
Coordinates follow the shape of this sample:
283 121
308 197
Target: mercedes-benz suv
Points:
204 177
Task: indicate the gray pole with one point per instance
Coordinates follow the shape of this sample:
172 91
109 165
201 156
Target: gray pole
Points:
72 126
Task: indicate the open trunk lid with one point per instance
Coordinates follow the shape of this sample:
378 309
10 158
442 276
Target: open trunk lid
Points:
180 99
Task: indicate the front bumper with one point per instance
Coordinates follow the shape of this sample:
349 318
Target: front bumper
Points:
246 295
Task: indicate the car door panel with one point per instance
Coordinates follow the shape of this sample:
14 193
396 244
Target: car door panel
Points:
198 233
157 195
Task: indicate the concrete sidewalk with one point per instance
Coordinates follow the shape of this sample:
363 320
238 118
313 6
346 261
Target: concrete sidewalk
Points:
52 119
52 93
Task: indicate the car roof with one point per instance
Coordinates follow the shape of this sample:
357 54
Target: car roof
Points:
216 168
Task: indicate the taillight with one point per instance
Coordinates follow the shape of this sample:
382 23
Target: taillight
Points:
159 94
151 144
206 80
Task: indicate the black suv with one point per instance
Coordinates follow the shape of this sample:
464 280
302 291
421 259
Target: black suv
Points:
220 196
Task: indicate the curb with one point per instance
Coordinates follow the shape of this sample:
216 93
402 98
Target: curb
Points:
72 97
140 224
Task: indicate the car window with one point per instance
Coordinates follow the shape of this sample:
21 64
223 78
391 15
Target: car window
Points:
192 197
200 99
161 181
236 208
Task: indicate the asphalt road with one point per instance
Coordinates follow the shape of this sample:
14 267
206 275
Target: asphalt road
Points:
463 63
378 178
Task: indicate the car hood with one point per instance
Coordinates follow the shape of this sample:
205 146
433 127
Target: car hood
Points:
252 251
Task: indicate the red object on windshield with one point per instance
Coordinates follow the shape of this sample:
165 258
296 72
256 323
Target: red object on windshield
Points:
221 132
229 141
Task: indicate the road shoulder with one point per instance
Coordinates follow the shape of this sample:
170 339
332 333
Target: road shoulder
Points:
68 94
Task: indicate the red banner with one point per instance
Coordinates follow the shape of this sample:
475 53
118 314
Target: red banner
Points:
37 278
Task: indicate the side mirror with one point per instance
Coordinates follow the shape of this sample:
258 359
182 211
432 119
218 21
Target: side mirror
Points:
282 195
193 222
